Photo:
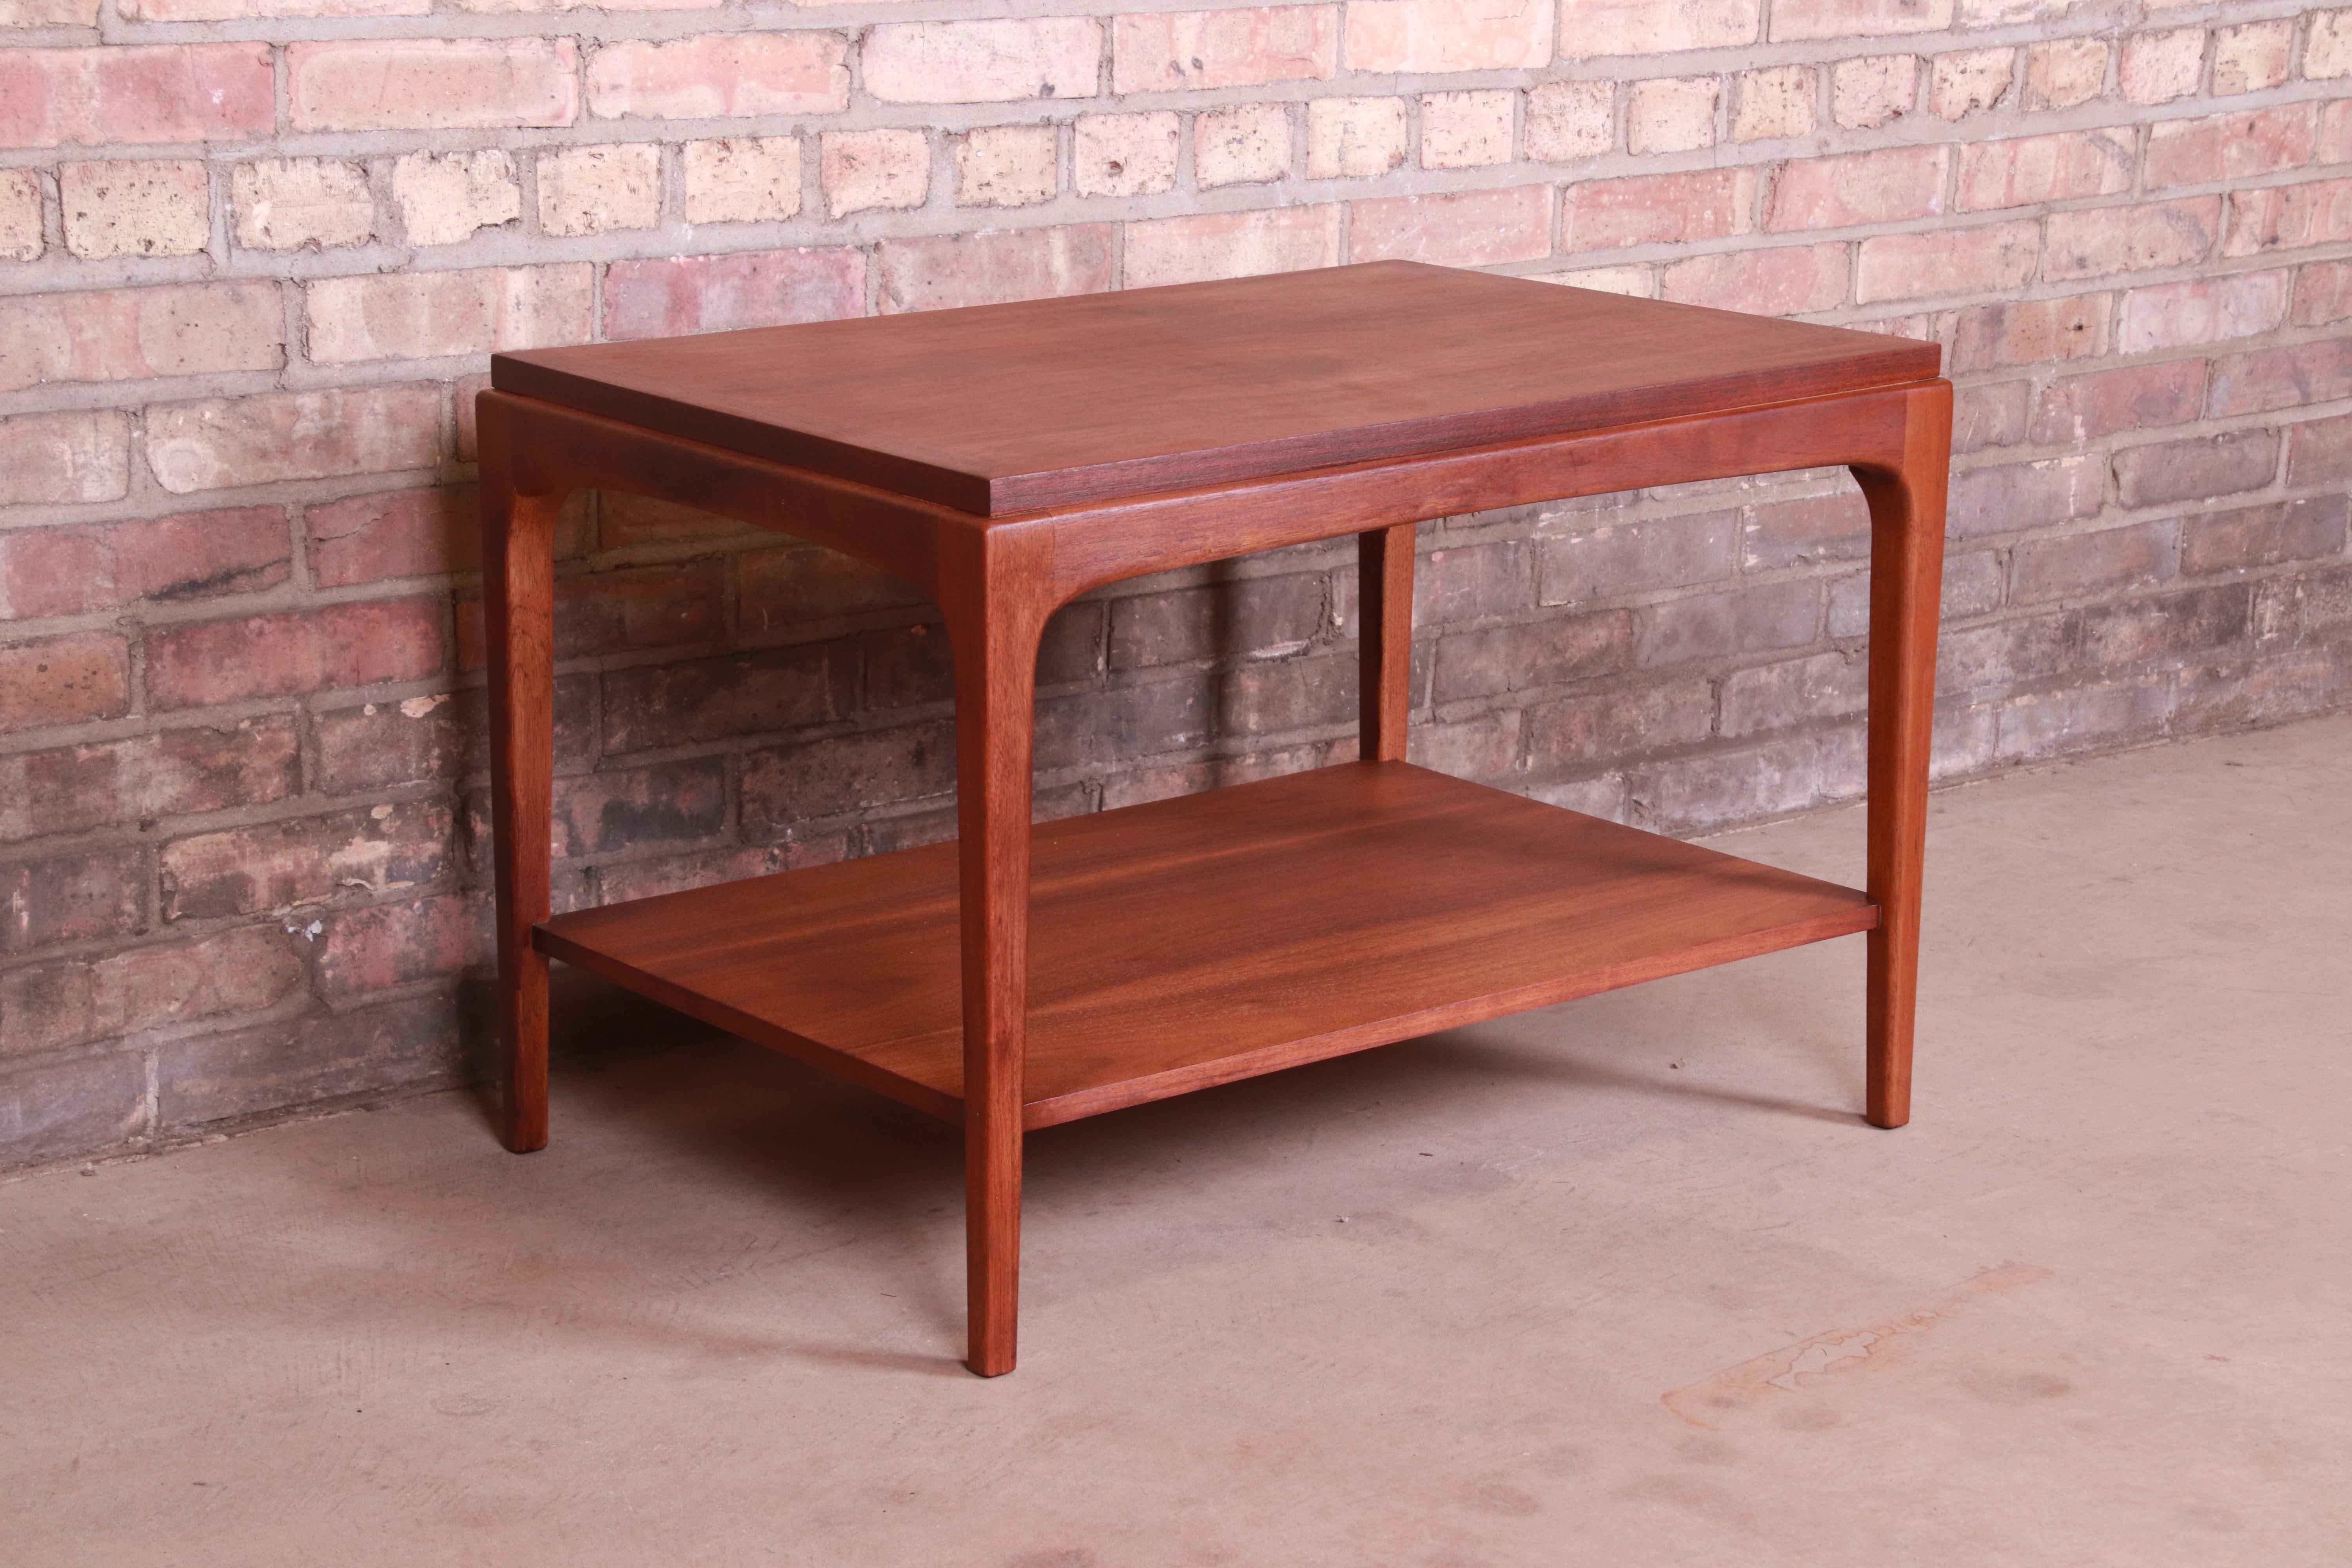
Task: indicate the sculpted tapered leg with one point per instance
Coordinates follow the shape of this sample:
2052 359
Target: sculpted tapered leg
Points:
1384 575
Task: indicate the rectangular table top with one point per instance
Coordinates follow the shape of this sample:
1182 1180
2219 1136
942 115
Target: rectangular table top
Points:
1006 409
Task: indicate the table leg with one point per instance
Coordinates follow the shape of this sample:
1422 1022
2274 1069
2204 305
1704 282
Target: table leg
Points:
1907 572
1384 579
519 612
994 624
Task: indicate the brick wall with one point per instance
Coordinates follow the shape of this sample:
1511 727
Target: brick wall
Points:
254 253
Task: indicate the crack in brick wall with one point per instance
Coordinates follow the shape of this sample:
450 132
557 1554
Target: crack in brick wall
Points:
253 253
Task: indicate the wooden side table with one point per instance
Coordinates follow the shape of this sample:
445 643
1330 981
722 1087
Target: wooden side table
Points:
1006 458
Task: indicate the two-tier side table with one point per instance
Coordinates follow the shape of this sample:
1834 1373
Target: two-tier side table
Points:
1005 458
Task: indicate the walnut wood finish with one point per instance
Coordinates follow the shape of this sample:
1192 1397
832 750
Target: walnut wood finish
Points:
1003 461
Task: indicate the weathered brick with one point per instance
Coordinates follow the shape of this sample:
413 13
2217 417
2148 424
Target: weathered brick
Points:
146 206
1485 746
1961 83
375 745
2006 653
1989 414
2098 241
1671 114
1773 103
1567 121
273 435
720 293
594 190
87 1106
305 859
445 197
2252 58
2310 604
2023 496
2323 293
50 14
2161 67
2288 377
292 652
1804 531
1609 724
71 789
1689 795
720 76
1975 583
1795 21
1448 35
624 522
862 170
1657 209
1180 49
2076 565
1465 130
704 867
239 971
128 94
384 945
2064 72
1633 280
2319 450
1875 91
1159 710
242 10
847 772
2200 311
983 61
218 1078
2168 626
628 610
2079 408
1468 228
1767 697
1889 186
2287 218
783 594
2252 537
79 897
1636 557
1252 617
412 534
1164 782
2107 714
2335 133
602 813
2031 170
127 334
2327 45
68 679
1007 165
2235 694
2032 331
1531 655
1752 619
43 1006
680 704
1354 137
298 203
20 215
1591 29
987 268
1471 583
1266 697
1248 144
431 84
195 555
1786 280
2196 469
1995 257
742 179
426 315
1231 245
2231 146
1127 155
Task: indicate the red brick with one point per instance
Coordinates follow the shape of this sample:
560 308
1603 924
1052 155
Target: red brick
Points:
305 859
2320 450
1982 659
1805 20
696 701
2171 626
2254 537
1248 144
780 593
2107 714
2076 565
1269 696
1805 531
2335 133
2078 409
1636 557
1996 258
2287 218
43 1006
72 898
89 1105
2030 332
706 868
422 739
2231 146
1657 209
2161 67
1471 228
1175 50
1889 186
196 555
2268 379
1468 583
124 94
2023 496
1989 414
433 84
71 679
625 521
128 334
237 441
165 774
2196 469
1609 724
1591 29
385 945
1672 114
292 653
1787 280
990 61
2031 170
2200 311
62 458
1747 620
1251 617
1231 245
221 1077
847 772
1531 655
952 271
239 971
1794 692
430 315
629 610
1486 746
1448 35
2098 241
720 76
2323 293
720 293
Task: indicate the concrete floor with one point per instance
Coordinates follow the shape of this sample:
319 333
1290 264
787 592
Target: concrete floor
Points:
1623 1282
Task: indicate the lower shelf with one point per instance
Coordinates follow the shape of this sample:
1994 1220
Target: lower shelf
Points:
1193 942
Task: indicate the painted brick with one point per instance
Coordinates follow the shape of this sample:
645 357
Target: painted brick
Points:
720 76
1127 155
2323 293
1996 258
2200 311
1354 137
2101 241
720 293
742 179
1873 92
1890 186
443 198
1471 228
129 93
386 946
130 334
1773 103
65 571
2064 72
301 204
2232 146
423 315
195 663
1448 35
1653 209
2254 537
2196 469
985 269
1531 655
1671 114
1591 29
1196 50
2252 58
431 84
1231 245
2032 331
2031 170
594 190
1465 130
2285 218
1605 725
2023 496
982 62
72 789
1249 143
68 679
20 215
156 207
1800 20
2161 67
862 170
305 860
1961 83
1786 280
1007 166
2079 408
274 436
2286 377
1769 697
61 459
